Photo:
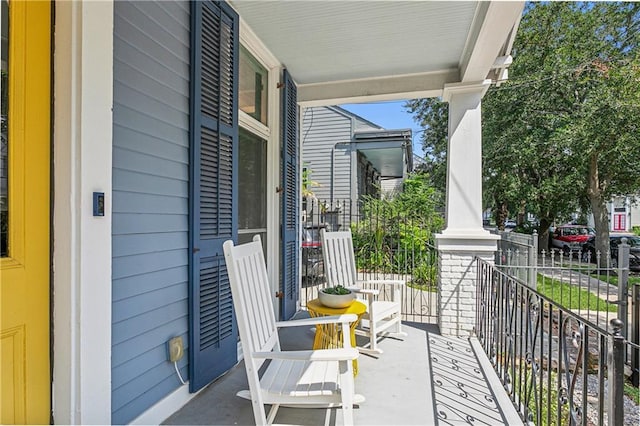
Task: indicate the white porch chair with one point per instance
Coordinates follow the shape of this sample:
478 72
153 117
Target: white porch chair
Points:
383 316
304 379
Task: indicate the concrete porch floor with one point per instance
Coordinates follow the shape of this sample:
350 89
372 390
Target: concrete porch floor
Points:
424 379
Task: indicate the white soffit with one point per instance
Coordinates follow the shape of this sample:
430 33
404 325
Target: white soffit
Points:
376 50
388 161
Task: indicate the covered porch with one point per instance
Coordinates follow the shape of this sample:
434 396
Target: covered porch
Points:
347 53
387 51
124 285
425 379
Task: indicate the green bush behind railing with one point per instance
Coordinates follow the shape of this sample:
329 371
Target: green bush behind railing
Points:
395 235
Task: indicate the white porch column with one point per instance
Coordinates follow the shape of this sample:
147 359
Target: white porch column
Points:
463 237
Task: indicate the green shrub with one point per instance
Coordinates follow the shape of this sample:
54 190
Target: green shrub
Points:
424 277
393 235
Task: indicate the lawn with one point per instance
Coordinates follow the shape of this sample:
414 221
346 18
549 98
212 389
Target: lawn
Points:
613 279
572 297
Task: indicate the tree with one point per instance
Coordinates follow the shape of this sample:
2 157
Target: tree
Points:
575 93
562 134
433 115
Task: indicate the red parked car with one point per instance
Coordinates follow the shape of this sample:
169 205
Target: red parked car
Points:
571 237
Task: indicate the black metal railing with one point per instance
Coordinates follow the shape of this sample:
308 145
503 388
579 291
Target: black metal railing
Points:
557 366
575 281
598 294
388 244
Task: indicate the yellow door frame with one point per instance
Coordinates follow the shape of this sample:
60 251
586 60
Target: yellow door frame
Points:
25 273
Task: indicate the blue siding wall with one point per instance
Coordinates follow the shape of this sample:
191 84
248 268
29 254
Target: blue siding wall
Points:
150 201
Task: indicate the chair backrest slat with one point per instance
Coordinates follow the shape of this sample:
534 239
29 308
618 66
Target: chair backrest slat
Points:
339 260
251 296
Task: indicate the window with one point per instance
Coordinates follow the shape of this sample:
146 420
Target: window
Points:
253 87
252 187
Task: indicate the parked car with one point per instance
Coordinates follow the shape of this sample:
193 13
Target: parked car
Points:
312 264
571 237
510 223
589 250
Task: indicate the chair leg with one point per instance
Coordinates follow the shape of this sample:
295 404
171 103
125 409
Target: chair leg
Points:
259 414
398 324
369 351
255 397
373 335
347 391
272 413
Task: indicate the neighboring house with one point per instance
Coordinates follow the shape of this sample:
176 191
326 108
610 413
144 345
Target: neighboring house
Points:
634 214
175 128
623 214
349 157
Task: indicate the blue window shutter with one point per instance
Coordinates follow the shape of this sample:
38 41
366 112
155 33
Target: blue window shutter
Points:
290 198
213 188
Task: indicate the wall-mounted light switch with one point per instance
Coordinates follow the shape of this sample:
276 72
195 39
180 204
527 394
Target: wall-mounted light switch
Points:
98 203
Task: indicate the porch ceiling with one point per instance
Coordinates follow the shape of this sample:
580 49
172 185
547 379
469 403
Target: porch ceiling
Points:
354 51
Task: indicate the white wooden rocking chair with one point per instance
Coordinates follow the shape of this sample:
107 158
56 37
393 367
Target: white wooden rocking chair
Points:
303 379
383 316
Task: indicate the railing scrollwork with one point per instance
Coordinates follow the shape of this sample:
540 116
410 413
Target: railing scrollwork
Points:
552 362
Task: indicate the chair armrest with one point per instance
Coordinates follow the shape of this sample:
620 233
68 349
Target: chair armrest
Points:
340 354
367 291
332 319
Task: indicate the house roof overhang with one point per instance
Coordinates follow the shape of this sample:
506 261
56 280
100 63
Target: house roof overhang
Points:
351 51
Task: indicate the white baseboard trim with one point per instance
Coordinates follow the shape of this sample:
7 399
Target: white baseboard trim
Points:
165 407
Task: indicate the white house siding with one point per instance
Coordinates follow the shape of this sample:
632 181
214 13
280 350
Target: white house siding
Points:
150 201
364 125
323 127
391 187
635 215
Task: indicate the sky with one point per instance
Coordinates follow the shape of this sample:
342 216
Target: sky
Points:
390 115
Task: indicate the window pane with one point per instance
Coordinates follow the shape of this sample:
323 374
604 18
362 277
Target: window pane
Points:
253 87
4 145
252 198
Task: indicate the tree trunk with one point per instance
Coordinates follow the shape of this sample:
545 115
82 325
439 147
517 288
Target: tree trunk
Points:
543 235
599 209
521 213
501 214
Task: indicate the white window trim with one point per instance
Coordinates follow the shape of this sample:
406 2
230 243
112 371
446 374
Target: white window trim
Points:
254 45
252 231
271 133
252 125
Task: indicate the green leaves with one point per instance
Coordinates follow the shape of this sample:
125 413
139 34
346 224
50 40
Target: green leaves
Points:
392 235
573 97
573 93
338 290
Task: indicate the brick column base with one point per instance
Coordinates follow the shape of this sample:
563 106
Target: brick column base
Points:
458 277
